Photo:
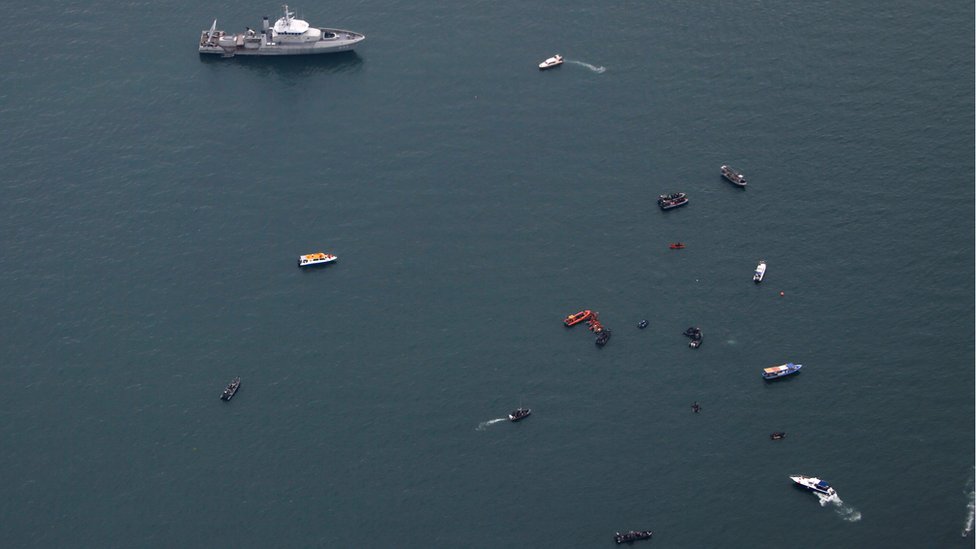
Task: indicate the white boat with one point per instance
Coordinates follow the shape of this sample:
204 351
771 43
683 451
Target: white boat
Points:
318 258
760 271
814 484
553 61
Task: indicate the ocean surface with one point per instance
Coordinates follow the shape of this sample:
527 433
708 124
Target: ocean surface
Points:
155 203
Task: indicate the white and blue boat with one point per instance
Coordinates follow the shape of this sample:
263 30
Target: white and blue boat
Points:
814 484
775 372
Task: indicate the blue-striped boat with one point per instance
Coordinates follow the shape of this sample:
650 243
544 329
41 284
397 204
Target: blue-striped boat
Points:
776 372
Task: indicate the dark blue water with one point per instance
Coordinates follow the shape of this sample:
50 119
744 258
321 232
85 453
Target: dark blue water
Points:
156 202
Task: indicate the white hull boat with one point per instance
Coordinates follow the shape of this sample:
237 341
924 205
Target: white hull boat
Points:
553 61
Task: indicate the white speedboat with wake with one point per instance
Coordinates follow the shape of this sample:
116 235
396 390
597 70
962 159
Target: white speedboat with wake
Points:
814 484
553 61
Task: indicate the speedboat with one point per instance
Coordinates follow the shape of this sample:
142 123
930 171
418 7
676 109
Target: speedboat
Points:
777 435
602 337
553 61
520 413
231 389
760 271
633 535
734 175
677 245
574 319
783 370
814 484
319 258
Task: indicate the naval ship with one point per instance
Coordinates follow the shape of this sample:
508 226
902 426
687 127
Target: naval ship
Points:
288 36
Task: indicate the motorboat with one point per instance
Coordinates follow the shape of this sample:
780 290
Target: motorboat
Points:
642 324
783 370
231 389
602 337
519 413
677 245
673 200
814 484
553 61
734 176
632 536
576 318
760 271
318 258
777 435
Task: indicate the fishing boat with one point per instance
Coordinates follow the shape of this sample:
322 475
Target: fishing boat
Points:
231 389
734 176
814 484
677 245
632 536
519 413
673 200
576 318
760 271
553 61
783 370
319 258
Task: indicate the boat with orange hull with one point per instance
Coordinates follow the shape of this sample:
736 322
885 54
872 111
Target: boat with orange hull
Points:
574 319
677 245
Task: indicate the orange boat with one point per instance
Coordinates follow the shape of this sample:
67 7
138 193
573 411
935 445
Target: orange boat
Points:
575 319
677 246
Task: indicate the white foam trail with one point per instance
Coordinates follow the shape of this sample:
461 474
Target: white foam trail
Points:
970 510
594 68
845 511
484 424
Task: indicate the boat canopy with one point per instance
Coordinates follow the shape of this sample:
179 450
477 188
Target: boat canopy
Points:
775 369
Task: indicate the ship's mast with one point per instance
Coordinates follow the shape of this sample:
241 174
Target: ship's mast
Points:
287 14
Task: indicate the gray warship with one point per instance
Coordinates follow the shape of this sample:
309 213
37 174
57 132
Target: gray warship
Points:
288 36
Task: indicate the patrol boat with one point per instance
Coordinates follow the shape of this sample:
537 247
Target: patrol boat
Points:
288 36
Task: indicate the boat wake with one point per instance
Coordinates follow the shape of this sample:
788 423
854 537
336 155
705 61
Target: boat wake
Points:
970 509
594 68
484 424
845 511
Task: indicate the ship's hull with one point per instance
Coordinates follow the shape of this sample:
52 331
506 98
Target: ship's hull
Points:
344 41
